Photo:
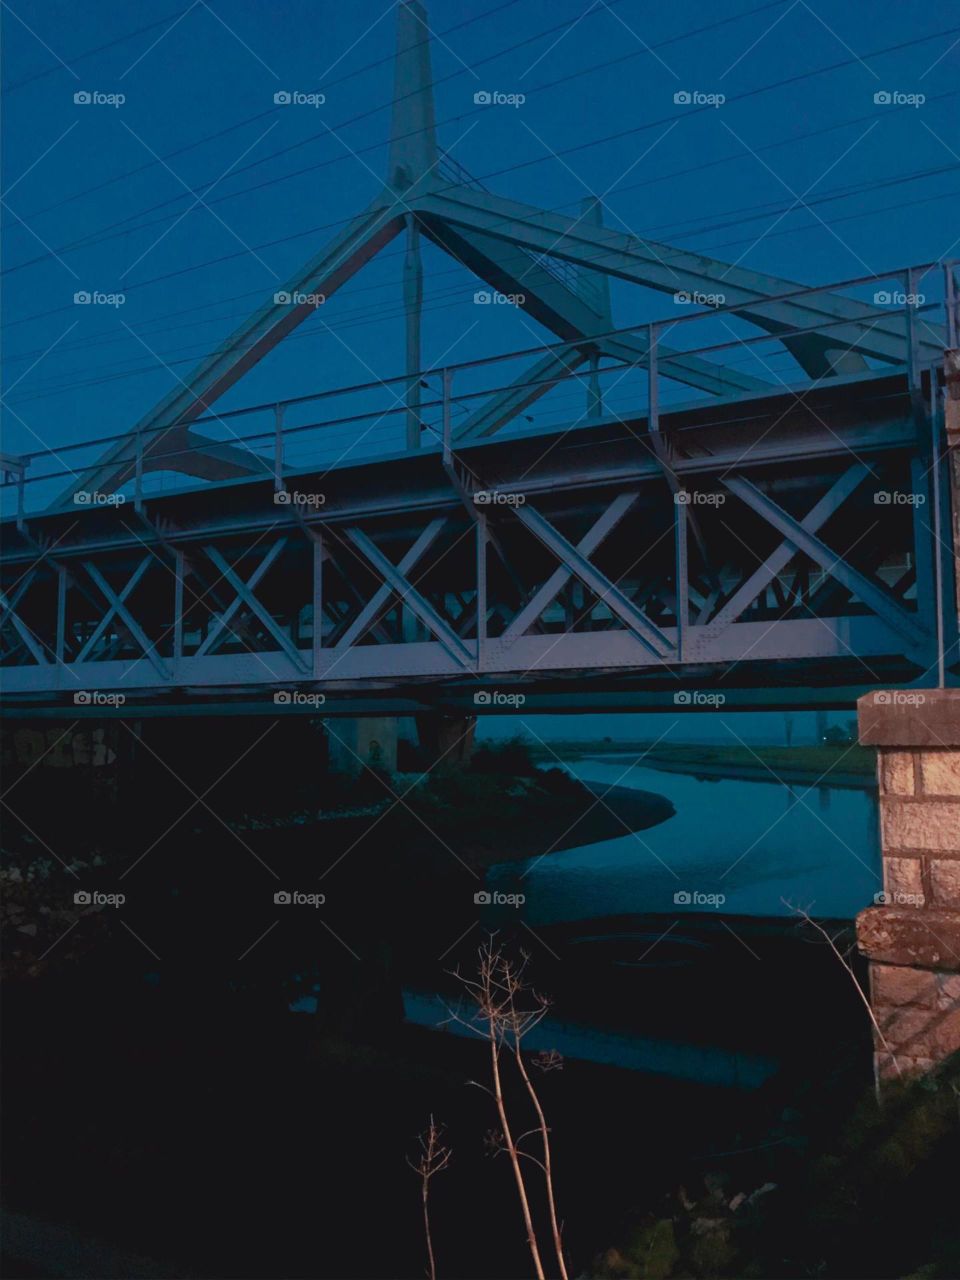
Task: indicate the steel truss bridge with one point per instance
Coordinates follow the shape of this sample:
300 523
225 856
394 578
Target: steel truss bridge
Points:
714 526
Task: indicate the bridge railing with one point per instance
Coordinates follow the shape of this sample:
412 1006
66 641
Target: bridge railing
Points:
900 321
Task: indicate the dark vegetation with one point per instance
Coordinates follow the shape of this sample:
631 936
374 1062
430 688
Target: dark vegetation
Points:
161 1098
856 1191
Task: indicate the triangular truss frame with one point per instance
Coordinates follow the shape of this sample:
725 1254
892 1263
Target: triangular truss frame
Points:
561 265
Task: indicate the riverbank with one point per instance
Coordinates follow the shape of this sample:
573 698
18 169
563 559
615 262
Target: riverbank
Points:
484 818
836 764
546 822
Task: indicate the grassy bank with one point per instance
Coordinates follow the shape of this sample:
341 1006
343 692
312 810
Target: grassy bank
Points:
816 760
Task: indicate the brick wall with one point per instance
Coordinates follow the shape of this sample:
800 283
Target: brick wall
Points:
912 936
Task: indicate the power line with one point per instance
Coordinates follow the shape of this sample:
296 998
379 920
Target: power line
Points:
339 222
372 316
89 53
646 182
220 133
121 225
749 93
730 217
521 164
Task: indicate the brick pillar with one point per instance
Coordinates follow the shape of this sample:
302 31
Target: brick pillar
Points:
912 937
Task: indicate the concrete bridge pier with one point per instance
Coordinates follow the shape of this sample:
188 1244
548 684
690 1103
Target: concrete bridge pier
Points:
356 743
912 936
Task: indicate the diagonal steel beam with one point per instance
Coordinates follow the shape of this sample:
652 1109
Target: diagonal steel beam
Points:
223 621
874 597
532 610
371 610
21 628
505 405
133 626
512 270
871 330
341 259
650 636
105 621
17 595
780 557
245 594
412 597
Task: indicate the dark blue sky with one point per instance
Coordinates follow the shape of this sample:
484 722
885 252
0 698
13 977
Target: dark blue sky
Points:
199 93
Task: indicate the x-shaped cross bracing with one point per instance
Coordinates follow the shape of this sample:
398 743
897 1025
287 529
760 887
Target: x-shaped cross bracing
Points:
396 581
9 614
117 607
244 597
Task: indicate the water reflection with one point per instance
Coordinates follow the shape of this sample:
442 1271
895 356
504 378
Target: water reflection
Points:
743 846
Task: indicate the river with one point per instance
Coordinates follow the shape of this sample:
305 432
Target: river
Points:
748 846
685 961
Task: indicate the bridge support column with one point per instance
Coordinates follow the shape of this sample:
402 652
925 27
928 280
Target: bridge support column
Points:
446 739
357 743
912 936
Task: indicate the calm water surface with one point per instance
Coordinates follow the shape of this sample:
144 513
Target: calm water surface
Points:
754 842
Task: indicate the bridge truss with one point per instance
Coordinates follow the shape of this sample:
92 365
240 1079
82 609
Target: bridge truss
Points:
787 542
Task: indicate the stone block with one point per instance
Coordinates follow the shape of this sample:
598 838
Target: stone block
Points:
945 882
903 881
932 825
948 996
928 939
910 718
908 1066
921 1033
896 773
940 772
895 986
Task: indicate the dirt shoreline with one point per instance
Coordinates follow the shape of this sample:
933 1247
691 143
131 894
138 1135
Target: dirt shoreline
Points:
602 814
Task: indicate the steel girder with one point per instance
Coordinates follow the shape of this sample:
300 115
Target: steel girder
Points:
162 429
596 577
869 331
550 301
